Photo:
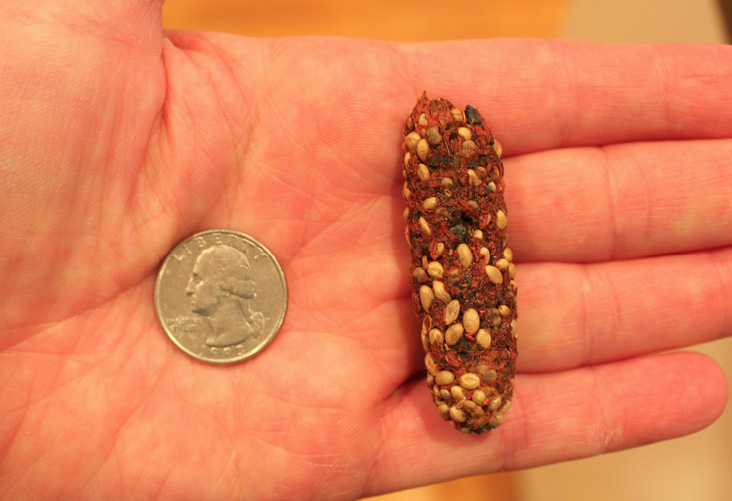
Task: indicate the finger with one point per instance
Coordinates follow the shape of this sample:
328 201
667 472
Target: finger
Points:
554 417
575 315
539 95
621 201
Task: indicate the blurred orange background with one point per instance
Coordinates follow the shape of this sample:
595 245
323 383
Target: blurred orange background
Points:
695 467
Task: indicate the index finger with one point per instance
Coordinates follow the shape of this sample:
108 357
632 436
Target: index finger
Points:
538 95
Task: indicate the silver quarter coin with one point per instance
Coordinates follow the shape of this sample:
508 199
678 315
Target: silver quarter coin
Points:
221 296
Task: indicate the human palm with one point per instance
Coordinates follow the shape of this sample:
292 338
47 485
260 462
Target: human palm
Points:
118 142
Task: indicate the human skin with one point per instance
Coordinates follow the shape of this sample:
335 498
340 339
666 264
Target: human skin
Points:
119 140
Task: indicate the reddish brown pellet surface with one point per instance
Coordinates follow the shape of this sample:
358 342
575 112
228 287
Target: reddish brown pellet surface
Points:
462 271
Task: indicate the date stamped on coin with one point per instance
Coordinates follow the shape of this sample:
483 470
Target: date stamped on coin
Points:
221 296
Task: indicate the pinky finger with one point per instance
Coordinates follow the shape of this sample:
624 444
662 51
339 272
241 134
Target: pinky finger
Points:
555 417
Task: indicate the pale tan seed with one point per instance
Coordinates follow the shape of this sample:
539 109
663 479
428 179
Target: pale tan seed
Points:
430 203
436 392
478 235
496 421
469 405
494 274
444 377
452 310
513 286
433 135
419 274
406 192
407 156
424 262
457 415
435 269
424 226
430 380
473 178
496 321
469 381
457 115
483 338
444 410
502 263
429 362
423 149
457 393
410 123
511 270
468 146
444 394
504 310
489 375
405 214
495 403
491 187
440 248
406 234
471 321
423 172
426 324
499 149
436 337
422 119
426 296
440 291
508 254
501 219
453 334
473 205
464 132
425 343
479 397
465 255
513 327
446 182
411 140
404 173
486 255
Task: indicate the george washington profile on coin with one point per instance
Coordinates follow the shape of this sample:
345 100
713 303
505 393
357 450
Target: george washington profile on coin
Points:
220 289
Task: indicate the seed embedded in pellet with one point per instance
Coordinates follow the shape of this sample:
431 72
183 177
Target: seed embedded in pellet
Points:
508 254
444 410
433 135
468 146
504 310
457 115
457 393
407 157
505 407
446 182
426 296
422 119
440 248
494 274
423 172
444 377
411 140
435 269
430 203
452 310
453 334
469 381
444 394
471 321
478 235
429 362
479 397
419 274
465 255
501 219
495 403
499 149
436 337
440 291
424 226
406 192
511 270
502 263
423 149
473 178
464 132
483 338
457 415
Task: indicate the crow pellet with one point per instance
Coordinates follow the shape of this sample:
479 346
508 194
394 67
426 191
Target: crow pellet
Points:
462 271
